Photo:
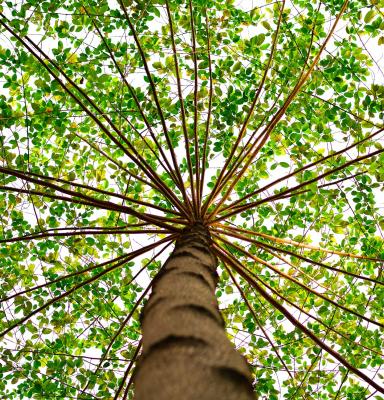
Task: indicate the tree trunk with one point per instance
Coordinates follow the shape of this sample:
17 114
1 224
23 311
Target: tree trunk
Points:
186 353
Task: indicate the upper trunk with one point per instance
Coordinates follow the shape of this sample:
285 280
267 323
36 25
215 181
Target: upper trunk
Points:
186 353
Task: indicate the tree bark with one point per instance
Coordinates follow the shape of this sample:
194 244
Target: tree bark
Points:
186 352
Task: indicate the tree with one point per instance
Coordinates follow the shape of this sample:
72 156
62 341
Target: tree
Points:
248 134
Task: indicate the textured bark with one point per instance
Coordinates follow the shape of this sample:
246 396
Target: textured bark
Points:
186 353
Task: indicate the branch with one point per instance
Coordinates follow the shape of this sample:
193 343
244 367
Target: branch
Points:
195 193
310 315
130 365
182 109
22 174
322 186
294 243
168 167
252 311
241 208
124 258
132 152
337 153
117 333
132 255
263 245
117 163
207 126
297 282
243 129
238 268
84 199
42 235
271 125
154 92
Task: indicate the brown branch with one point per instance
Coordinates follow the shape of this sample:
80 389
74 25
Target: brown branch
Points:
291 253
132 255
157 102
195 193
182 109
271 125
308 314
337 153
84 199
127 371
225 256
110 206
322 186
117 333
299 244
287 262
207 126
243 129
132 153
241 208
42 235
242 157
83 186
168 167
349 112
61 354
126 391
297 282
124 258
252 311
123 325
117 163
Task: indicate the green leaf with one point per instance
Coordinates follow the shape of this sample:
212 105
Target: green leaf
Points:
369 15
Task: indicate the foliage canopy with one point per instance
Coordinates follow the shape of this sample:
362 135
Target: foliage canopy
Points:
124 121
